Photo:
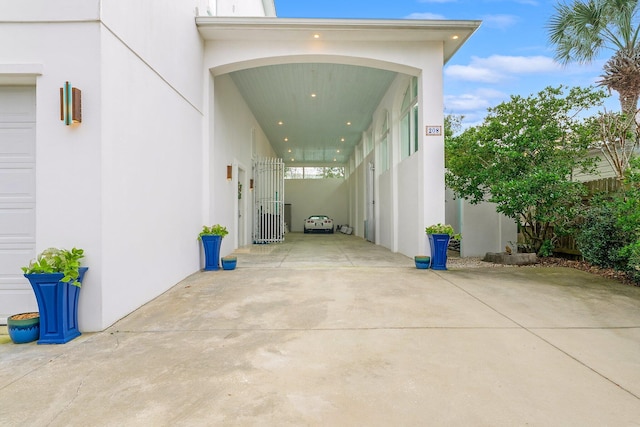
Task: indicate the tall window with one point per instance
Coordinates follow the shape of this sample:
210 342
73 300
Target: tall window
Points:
409 120
369 142
384 144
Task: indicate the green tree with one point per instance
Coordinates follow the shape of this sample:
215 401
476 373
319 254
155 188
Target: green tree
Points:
452 125
333 172
523 158
582 29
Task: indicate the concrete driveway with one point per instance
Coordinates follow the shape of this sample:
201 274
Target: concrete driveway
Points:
331 330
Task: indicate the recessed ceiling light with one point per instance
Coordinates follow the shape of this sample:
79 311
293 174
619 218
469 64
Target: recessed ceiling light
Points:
313 95
289 150
286 139
341 139
280 122
348 123
316 36
335 160
455 37
293 160
338 151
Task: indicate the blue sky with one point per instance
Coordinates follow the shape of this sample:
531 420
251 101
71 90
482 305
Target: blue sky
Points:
508 55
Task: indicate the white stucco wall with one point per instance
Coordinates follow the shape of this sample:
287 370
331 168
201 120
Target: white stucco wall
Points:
49 11
234 131
238 8
152 182
68 178
126 184
384 211
316 197
163 34
152 174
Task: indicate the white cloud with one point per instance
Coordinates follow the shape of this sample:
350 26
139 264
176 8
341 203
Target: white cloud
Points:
466 103
425 16
496 68
473 74
501 22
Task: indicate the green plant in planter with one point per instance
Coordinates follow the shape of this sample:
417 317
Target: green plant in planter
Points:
214 230
54 260
442 229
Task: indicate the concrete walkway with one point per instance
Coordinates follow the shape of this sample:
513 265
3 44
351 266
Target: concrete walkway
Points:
331 330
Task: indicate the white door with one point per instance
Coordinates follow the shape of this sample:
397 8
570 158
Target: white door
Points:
370 231
17 197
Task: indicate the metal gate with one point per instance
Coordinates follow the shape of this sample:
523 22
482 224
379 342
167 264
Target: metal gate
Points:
268 193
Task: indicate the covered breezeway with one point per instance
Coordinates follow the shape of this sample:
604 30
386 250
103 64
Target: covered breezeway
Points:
358 94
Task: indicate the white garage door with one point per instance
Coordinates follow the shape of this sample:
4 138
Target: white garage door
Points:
17 197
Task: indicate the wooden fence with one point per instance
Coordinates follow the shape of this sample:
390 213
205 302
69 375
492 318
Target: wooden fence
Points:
566 245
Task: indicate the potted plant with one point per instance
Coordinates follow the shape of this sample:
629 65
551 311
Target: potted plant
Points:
56 277
439 236
422 261
229 262
211 238
24 327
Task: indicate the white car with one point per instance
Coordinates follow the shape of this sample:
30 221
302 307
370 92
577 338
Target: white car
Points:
318 223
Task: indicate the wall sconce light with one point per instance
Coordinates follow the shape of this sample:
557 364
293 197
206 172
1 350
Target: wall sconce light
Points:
251 184
229 172
70 104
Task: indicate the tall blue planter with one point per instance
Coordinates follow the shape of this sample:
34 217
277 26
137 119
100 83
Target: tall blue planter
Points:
439 244
58 306
211 245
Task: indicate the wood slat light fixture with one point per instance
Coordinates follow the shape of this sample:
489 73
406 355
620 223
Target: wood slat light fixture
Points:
70 104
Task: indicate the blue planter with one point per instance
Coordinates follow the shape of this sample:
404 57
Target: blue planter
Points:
23 330
58 306
211 245
229 263
439 244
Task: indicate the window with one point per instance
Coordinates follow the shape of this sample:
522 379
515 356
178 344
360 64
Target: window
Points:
409 120
368 142
384 144
384 155
311 172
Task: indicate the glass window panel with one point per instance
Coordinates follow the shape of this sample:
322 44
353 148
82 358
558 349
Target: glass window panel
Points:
405 134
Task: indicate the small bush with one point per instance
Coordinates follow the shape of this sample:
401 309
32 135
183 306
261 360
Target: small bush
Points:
631 254
600 238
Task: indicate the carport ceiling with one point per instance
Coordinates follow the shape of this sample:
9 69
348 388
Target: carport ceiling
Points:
313 113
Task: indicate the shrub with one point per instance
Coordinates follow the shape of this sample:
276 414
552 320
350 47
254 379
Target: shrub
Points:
631 254
600 238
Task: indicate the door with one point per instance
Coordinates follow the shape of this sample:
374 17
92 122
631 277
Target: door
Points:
370 229
17 197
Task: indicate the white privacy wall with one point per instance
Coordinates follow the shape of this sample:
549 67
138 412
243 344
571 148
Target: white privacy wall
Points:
483 229
316 197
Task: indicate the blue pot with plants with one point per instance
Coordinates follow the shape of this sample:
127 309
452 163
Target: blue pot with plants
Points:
229 262
211 238
24 327
422 262
56 277
439 236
